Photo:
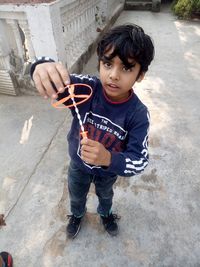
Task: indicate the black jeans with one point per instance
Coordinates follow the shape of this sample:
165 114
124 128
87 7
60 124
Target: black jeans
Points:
79 185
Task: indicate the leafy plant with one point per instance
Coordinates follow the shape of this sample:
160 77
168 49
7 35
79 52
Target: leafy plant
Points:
186 8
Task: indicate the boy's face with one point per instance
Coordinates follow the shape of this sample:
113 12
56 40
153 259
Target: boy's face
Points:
118 79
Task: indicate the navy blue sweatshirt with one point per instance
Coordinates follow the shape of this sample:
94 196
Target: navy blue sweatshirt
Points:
122 127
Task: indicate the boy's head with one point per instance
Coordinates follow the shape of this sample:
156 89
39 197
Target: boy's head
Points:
124 54
127 42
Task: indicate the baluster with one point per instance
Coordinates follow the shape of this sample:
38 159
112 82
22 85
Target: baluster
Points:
15 29
24 25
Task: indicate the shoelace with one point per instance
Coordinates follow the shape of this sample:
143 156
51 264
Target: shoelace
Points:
111 218
73 219
116 216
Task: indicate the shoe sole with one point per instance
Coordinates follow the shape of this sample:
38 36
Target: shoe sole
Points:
113 233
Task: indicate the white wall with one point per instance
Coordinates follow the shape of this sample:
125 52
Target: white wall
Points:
62 30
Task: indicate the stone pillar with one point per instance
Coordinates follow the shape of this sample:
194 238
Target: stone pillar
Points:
24 26
17 38
4 48
8 84
156 5
46 31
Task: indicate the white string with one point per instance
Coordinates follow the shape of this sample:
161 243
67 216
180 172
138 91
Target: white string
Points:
77 112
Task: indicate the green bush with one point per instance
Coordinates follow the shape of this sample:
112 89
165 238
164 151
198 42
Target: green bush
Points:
186 8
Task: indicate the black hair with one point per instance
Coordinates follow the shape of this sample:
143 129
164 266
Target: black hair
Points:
128 42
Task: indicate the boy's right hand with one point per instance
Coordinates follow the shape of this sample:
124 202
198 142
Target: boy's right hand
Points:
47 73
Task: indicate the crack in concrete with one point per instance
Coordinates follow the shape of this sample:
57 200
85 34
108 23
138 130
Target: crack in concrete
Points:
34 169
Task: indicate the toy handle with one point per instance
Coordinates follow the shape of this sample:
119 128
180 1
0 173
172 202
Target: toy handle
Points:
84 134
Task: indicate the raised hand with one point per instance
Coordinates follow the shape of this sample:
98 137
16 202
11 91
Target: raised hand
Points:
47 73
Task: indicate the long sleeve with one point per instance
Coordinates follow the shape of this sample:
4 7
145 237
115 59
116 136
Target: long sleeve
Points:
134 158
37 61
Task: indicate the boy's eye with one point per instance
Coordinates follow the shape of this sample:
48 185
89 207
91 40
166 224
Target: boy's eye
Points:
129 69
106 64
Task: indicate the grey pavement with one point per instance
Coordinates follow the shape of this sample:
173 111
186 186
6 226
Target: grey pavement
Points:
159 209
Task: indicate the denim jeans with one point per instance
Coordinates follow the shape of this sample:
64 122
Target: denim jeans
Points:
79 185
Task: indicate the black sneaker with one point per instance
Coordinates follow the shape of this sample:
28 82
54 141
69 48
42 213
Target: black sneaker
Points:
110 224
73 226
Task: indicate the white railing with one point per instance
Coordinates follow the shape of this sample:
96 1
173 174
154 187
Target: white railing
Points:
13 53
79 27
63 30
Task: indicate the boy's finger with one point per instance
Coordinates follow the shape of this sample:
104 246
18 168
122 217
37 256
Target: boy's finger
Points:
55 78
50 90
39 86
84 141
86 148
89 142
63 73
43 73
87 157
48 86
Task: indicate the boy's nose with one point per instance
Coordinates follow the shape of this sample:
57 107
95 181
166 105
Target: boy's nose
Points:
114 74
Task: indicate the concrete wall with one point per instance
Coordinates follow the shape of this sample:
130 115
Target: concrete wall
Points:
63 30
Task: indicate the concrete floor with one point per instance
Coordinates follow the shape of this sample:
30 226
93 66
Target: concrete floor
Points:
159 209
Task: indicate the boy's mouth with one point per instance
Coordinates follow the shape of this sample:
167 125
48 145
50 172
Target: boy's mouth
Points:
112 87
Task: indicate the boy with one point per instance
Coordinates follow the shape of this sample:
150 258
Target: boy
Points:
116 120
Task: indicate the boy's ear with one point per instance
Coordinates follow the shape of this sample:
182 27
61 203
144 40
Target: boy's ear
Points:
141 77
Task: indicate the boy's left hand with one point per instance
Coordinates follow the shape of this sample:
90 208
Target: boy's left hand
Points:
95 153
